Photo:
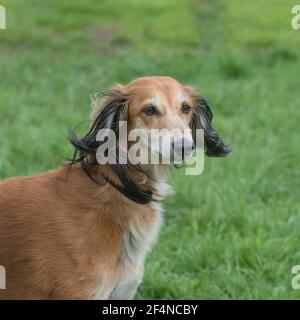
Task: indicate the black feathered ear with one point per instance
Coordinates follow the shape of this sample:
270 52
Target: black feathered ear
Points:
104 116
107 115
202 119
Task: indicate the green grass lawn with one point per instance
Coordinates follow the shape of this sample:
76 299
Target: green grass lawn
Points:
234 231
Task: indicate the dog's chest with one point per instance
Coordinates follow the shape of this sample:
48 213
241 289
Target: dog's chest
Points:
137 241
140 236
122 281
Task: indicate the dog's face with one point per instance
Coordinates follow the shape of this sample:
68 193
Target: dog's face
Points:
159 107
162 109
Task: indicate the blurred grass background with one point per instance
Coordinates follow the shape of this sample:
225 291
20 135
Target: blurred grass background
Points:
232 232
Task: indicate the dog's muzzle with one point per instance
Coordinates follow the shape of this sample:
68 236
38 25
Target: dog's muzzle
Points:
182 148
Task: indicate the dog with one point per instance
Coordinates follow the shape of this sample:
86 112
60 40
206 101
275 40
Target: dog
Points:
82 231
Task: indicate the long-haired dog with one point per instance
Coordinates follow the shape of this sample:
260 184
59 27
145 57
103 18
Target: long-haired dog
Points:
82 231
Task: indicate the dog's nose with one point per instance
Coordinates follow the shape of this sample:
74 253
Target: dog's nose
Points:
183 147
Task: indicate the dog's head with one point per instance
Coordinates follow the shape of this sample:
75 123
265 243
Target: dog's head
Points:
154 106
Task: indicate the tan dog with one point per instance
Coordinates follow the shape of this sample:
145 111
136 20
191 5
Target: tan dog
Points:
82 231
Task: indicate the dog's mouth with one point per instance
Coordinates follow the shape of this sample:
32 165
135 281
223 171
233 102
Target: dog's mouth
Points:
171 157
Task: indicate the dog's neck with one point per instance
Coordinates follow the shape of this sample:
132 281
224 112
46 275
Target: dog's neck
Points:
145 184
157 176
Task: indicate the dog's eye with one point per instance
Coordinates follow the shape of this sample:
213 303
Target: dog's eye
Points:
150 111
185 108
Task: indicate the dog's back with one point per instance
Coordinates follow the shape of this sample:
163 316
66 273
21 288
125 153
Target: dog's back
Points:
47 236
62 237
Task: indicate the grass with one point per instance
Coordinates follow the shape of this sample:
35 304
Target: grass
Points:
232 232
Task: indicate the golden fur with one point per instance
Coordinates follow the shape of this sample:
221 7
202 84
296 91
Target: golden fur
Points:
62 236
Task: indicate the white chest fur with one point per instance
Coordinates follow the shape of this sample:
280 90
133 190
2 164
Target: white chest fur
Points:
140 237
136 243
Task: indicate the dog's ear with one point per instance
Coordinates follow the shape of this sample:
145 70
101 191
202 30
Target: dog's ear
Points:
106 114
202 119
108 110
